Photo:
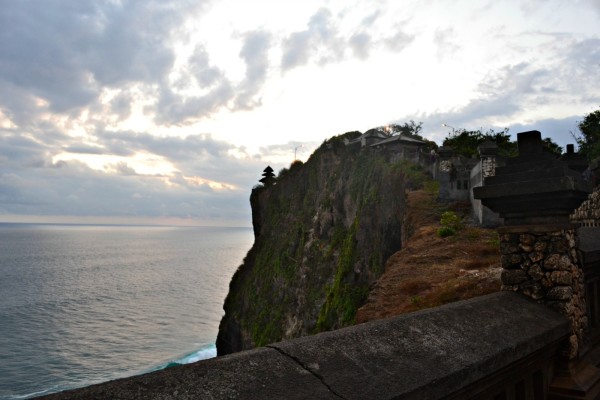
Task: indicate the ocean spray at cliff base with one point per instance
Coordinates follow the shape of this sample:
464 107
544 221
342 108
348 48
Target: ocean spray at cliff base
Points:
204 353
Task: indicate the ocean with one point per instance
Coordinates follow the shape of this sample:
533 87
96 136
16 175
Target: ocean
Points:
81 305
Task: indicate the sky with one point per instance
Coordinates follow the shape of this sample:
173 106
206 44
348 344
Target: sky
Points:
166 112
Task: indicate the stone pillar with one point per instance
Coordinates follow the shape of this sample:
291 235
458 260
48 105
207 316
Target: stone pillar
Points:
443 169
488 161
488 152
535 193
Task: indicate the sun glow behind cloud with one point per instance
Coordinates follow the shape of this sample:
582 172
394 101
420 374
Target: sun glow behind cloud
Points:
140 163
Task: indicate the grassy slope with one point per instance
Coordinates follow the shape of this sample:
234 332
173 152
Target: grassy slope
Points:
430 271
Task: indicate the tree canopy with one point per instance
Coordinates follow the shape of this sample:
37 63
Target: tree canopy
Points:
588 138
465 142
410 128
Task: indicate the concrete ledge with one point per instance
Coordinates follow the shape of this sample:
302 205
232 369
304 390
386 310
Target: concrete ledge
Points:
424 355
262 373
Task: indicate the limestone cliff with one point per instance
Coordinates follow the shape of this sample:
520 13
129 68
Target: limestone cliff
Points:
323 232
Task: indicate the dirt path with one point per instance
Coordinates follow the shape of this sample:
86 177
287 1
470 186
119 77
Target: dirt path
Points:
429 270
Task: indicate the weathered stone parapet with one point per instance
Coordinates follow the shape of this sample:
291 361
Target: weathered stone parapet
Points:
588 214
543 265
473 349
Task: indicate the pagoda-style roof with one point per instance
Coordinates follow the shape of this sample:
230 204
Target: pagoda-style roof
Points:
534 187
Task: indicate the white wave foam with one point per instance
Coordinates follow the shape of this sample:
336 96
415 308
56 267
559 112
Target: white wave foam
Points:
204 353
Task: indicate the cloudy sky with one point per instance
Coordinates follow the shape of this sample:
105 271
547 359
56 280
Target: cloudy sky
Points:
162 111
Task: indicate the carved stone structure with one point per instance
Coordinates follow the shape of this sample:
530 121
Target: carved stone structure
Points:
542 256
485 168
453 174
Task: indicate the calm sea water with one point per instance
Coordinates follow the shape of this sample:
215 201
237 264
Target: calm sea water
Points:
86 304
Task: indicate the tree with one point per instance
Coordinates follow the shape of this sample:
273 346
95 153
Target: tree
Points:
552 147
465 142
410 128
589 138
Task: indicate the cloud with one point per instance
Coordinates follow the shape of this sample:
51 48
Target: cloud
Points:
320 42
324 41
510 95
296 50
581 68
84 149
360 44
62 57
31 184
218 91
173 108
445 46
206 75
560 130
399 41
65 53
20 151
254 52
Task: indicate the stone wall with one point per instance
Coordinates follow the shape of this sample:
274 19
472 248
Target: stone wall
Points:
547 266
473 349
588 214
543 265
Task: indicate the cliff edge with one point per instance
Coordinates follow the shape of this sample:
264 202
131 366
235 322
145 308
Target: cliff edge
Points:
323 231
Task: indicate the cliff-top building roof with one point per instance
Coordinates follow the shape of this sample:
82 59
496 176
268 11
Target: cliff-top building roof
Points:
375 137
401 139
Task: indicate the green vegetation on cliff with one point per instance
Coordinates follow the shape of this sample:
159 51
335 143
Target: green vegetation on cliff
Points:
323 232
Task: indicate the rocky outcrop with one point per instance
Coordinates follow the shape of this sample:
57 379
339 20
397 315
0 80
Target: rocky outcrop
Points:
323 232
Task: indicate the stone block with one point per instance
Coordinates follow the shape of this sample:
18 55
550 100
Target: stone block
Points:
557 262
527 239
560 293
509 248
526 248
536 272
509 238
540 247
547 282
536 256
532 289
511 261
559 245
513 276
561 278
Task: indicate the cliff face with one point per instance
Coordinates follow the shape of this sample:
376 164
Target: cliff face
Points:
322 235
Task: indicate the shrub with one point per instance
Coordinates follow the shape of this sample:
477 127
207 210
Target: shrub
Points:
450 219
432 187
450 222
445 231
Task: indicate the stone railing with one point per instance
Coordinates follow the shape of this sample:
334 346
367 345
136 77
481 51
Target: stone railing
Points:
497 346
